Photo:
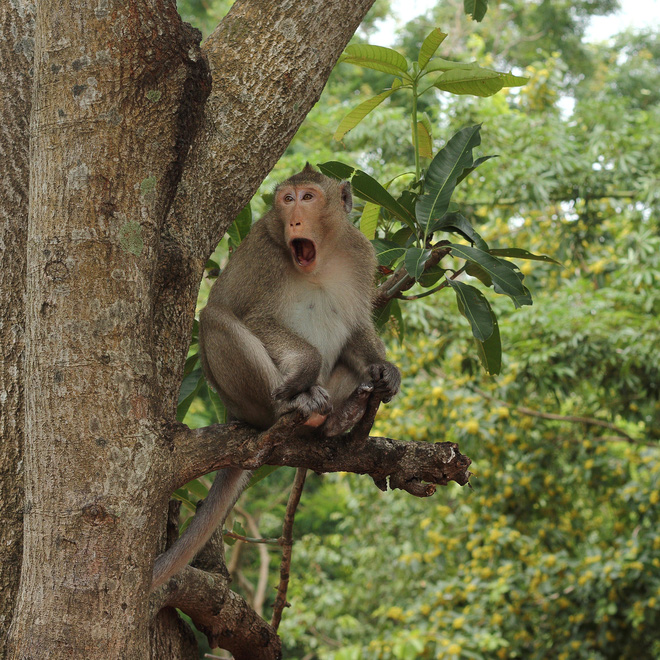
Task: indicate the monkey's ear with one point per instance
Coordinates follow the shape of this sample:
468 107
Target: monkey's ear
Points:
346 196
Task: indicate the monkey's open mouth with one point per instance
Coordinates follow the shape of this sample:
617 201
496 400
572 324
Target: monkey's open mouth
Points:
304 251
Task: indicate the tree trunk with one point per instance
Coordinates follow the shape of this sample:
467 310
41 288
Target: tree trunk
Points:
16 52
122 216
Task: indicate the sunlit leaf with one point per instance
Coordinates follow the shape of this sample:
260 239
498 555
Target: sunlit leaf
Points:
429 46
240 227
376 57
369 219
440 64
424 139
477 82
355 116
367 188
197 488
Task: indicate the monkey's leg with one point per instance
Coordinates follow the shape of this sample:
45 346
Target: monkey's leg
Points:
349 399
238 366
299 364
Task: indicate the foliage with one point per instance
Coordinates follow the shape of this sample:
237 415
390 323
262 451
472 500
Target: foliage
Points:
553 552
405 244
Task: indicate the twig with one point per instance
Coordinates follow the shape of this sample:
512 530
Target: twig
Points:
443 285
571 419
287 543
264 561
249 539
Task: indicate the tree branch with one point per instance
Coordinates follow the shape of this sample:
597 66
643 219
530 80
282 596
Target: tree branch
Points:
222 615
269 62
571 419
416 467
287 546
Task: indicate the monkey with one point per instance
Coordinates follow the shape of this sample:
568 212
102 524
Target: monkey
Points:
288 328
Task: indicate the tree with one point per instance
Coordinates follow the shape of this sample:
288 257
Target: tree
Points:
127 151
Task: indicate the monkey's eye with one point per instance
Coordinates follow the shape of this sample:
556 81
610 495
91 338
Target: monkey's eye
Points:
288 198
308 196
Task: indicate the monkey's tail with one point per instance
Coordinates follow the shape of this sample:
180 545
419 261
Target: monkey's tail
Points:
224 492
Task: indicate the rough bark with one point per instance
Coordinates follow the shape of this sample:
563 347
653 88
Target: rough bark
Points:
16 52
110 82
114 259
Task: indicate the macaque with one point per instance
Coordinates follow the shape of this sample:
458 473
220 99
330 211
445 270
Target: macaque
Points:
288 327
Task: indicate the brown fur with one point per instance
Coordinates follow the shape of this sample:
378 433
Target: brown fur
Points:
278 335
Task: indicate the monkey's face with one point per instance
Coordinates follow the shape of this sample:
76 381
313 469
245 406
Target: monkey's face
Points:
302 211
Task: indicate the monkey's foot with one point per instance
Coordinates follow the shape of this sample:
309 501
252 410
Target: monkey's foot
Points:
314 401
386 380
350 413
315 420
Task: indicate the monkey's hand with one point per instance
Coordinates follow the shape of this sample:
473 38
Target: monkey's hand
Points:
386 380
314 400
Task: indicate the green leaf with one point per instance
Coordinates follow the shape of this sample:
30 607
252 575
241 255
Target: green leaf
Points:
367 188
382 316
506 277
387 252
190 386
197 488
369 219
431 276
397 314
430 45
475 8
457 223
237 528
376 57
182 495
261 473
475 270
443 173
468 170
518 253
240 227
336 169
190 364
408 199
477 82
475 308
424 139
414 261
403 237
490 351
355 116
440 64
218 407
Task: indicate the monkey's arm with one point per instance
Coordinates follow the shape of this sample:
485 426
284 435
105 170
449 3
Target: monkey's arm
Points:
364 354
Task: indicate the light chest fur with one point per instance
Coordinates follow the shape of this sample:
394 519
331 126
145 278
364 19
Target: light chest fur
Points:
325 311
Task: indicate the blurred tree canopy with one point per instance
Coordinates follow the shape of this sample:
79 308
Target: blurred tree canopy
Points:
554 551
